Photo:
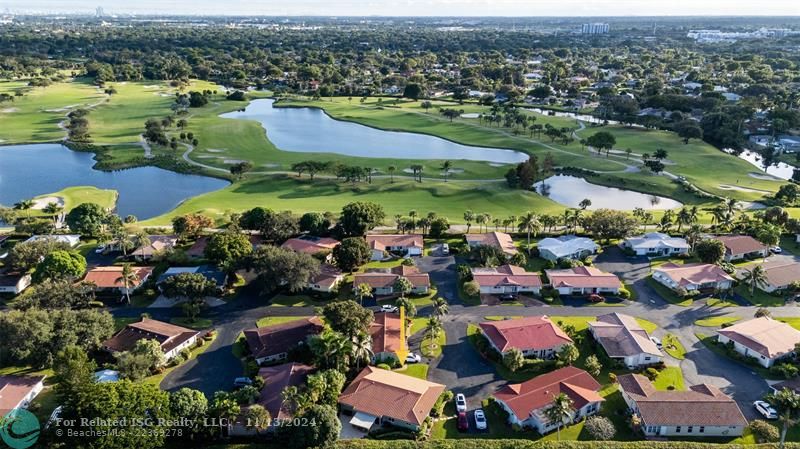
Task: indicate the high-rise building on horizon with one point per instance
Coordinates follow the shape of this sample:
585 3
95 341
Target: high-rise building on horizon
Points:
594 28
99 12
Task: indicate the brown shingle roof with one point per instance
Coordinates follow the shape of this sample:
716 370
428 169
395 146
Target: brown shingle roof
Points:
382 241
169 336
694 273
781 274
310 245
622 336
768 337
276 379
532 333
327 276
701 405
539 392
378 278
385 332
13 389
740 244
505 275
497 239
109 277
582 277
157 243
271 340
381 392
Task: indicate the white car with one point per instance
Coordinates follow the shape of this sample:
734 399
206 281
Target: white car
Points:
480 420
766 410
413 358
100 249
776 250
445 249
389 308
461 403
656 342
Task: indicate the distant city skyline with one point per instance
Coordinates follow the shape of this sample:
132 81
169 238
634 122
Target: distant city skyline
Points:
561 8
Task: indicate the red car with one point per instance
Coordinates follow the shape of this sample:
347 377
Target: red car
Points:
596 298
463 422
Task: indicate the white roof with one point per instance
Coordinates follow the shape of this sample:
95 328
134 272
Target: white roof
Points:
656 240
69 239
566 245
172 271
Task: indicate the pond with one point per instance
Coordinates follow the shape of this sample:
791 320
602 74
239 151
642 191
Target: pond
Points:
780 170
27 171
571 190
311 130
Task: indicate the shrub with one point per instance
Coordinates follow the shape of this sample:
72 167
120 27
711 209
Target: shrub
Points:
600 428
764 431
624 293
651 373
438 407
472 288
384 366
786 370
612 378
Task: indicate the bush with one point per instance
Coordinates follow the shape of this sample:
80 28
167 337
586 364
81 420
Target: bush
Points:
600 428
472 288
764 431
438 407
651 373
612 378
785 370
384 366
624 293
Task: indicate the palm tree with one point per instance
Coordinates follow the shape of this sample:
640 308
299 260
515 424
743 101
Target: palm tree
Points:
440 307
391 169
469 217
53 209
788 404
530 223
363 291
756 276
127 278
647 218
434 327
560 411
684 217
362 348
693 235
446 167
586 202
480 219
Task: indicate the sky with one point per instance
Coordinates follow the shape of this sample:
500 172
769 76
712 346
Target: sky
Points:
418 7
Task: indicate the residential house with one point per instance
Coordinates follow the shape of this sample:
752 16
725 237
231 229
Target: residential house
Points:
385 397
73 240
159 244
404 244
327 280
273 343
198 248
210 272
624 340
701 411
382 281
499 240
583 281
385 333
789 144
792 384
312 245
780 275
693 277
760 140
656 244
172 339
506 279
110 278
566 247
17 392
527 403
738 247
764 339
14 283
276 379
535 336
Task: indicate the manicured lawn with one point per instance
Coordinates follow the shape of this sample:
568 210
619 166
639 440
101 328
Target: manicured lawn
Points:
418 370
273 320
284 300
711 343
717 321
43 404
198 323
759 297
74 196
432 348
667 294
25 371
717 302
418 324
792 321
120 323
673 346
670 378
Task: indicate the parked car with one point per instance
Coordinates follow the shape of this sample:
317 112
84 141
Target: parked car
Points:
776 250
100 249
480 420
461 403
389 308
413 358
656 342
445 249
595 298
508 297
766 410
463 422
240 382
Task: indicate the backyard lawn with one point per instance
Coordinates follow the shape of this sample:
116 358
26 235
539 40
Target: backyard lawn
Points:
717 321
673 346
273 320
418 370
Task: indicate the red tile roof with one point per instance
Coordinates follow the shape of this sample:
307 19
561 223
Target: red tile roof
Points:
740 244
169 336
157 243
497 239
310 245
694 273
328 274
505 275
538 393
532 333
109 277
381 278
382 241
13 389
582 277
701 405
277 339
276 379
381 392
385 332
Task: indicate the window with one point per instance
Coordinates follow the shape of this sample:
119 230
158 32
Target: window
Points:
702 429
647 358
678 429
689 429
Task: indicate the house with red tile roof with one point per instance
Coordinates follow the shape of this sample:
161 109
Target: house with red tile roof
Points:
172 339
738 247
692 277
385 333
17 392
527 403
701 411
312 245
583 281
764 339
499 240
386 397
382 281
404 244
624 340
780 275
506 279
327 280
110 278
535 336
273 343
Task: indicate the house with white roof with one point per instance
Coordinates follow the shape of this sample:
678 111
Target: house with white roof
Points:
72 240
566 247
656 244
693 277
763 339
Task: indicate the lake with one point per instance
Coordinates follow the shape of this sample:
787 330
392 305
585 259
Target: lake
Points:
571 190
311 130
780 170
27 171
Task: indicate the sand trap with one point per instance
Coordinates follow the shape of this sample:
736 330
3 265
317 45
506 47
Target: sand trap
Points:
9 110
162 94
64 109
764 176
215 150
206 156
495 164
41 203
408 170
742 189
152 86
233 161
271 165
454 171
755 205
470 115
